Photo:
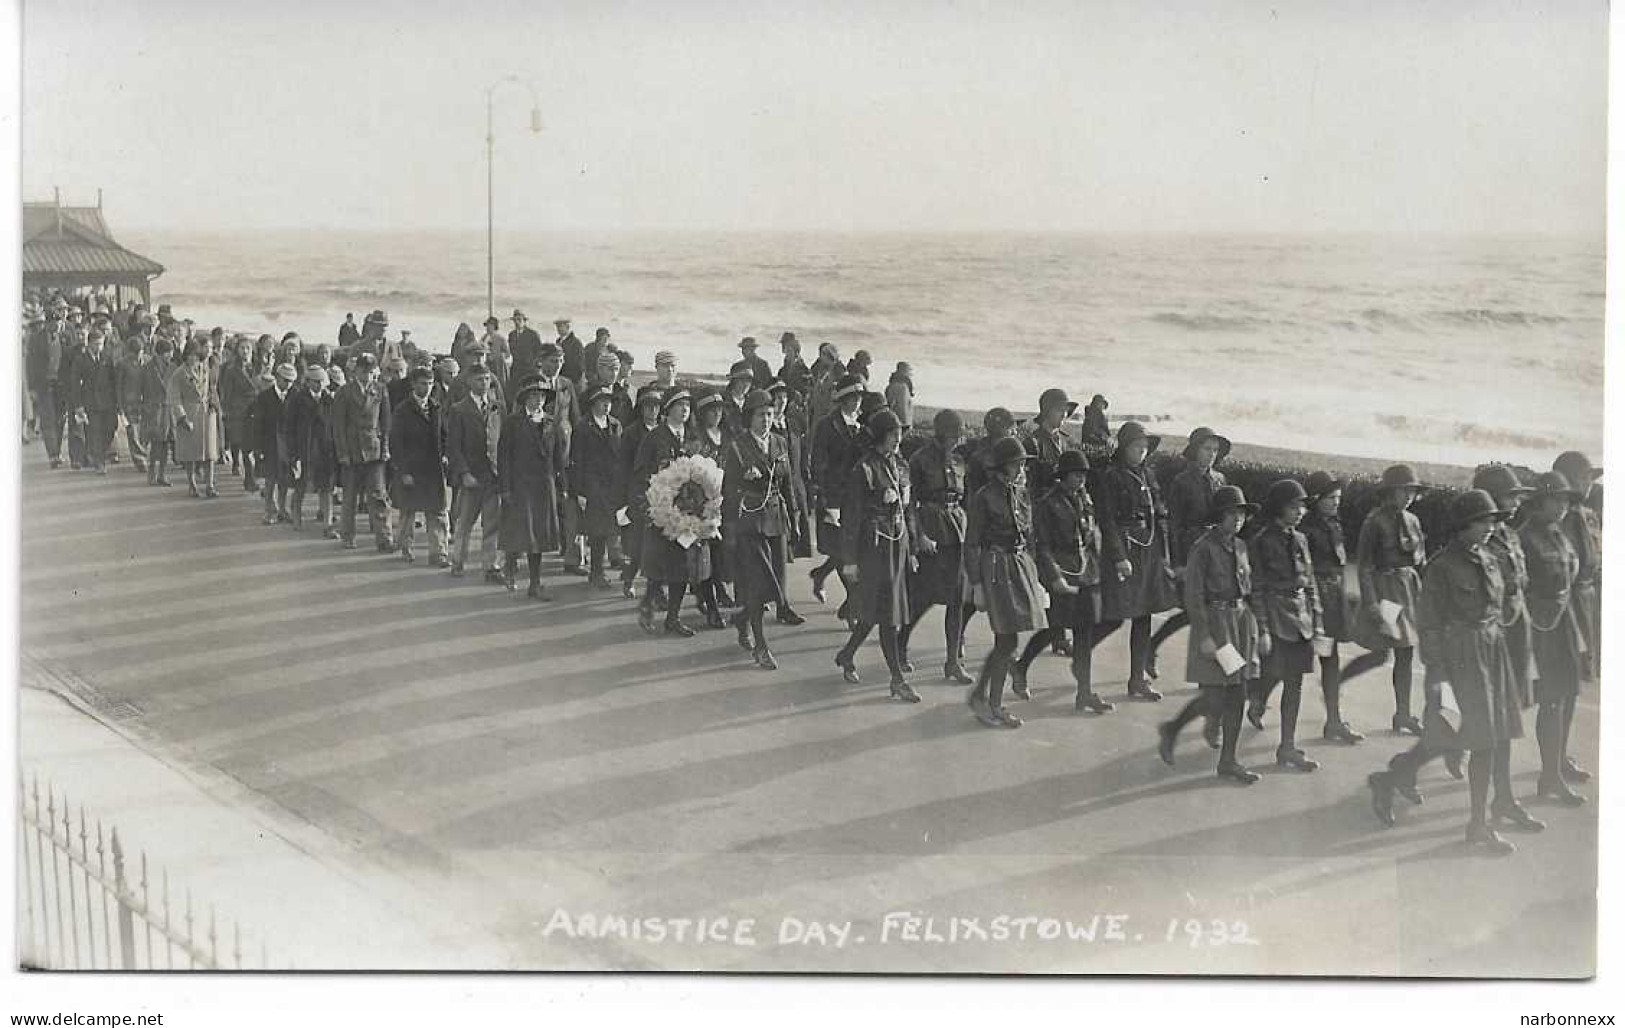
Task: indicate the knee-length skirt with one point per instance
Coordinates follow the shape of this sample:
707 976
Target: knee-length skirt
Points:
1339 608
1560 659
667 562
880 595
1288 657
1080 610
1404 587
1149 588
941 578
1011 594
758 568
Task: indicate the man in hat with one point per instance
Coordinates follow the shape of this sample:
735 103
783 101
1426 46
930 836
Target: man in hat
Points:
372 335
665 369
417 457
46 380
361 437
473 430
623 406
741 379
135 356
826 370
524 349
761 375
574 353
998 423
835 452
274 464
567 409
594 354
794 371
348 333
93 399
167 325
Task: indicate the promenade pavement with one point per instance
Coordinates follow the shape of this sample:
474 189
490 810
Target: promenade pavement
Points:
530 766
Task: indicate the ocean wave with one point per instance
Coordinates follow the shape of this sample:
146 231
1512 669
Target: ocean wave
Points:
836 306
1211 322
1468 432
1476 316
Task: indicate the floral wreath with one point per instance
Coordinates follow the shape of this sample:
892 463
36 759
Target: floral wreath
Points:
685 500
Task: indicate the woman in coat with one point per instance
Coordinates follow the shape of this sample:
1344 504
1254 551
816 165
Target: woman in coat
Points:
877 546
1134 542
154 414
711 442
194 412
1391 552
307 432
1583 523
237 392
1286 604
790 424
1218 590
636 505
1004 579
936 475
758 507
1066 538
595 478
1323 529
1188 497
1458 620
532 453
1559 645
668 566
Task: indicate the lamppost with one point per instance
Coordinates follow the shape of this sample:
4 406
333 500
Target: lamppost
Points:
490 178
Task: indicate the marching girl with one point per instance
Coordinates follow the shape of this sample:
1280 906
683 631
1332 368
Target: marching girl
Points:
1134 542
531 454
1218 590
877 546
1584 527
666 565
1323 529
711 440
1004 578
789 423
1506 545
633 502
835 448
758 508
1286 603
1559 647
936 476
1390 555
1067 541
595 477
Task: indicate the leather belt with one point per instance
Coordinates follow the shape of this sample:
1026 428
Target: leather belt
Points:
1225 604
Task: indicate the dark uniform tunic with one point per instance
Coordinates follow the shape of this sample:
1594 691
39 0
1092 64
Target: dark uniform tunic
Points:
998 558
307 435
1285 599
1584 529
663 559
1045 447
1133 527
758 505
717 451
834 453
938 482
1507 548
1218 587
417 448
1330 559
531 458
1391 550
1190 502
875 537
1458 619
1066 538
595 473
1559 643
792 428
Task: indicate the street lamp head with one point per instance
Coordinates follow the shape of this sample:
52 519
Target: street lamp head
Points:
536 119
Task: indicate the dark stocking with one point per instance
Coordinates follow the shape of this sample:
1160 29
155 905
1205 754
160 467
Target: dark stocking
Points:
1503 774
888 646
1479 764
1291 698
533 563
1035 646
1139 647
1231 700
1331 689
1402 680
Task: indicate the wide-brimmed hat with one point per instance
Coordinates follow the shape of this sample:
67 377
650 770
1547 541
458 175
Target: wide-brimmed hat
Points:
704 399
378 318
1131 432
1498 478
997 419
165 311
1051 399
650 392
518 315
492 322
870 403
948 420
531 384
1229 497
1321 483
596 393
881 422
1282 493
1572 464
756 399
1474 505
846 386
748 343
1554 483
740 370
1072 462
676 394
1201 435
1399 476
1007 450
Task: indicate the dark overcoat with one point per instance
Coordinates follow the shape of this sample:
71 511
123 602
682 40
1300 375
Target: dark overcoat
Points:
663 559
1458 618
937 481
875 515
1133 527
595 473
415 449
758 506
531 458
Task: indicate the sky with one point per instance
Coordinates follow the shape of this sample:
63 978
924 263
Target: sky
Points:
1462 116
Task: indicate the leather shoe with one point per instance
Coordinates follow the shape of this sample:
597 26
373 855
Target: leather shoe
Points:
955 672
1482 835
1092 704
677 628
848 671
765 661
1255 713
1005 718
818 587
1142 691
1341 732
1574 772
1382 796
1557 789
903 691
1405 724
1296 759
787 616
646 621
1412 794
1165 742
1213 733
742 627
713 620
1452 763
1018 682
1518 817
1238 773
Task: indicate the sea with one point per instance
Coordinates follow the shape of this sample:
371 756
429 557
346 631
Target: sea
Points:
1447 349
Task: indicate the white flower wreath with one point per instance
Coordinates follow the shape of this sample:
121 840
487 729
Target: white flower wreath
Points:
699 514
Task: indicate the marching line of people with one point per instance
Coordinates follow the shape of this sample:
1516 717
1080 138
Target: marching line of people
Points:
548 447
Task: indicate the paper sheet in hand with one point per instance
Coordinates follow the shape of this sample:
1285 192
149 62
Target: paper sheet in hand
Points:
1389 611
621 518
1230 659
1323 645
833 516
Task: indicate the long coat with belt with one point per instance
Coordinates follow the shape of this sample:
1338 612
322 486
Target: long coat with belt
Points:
415 449
1286 599
237 392
595 473
1134 527
758 506
1458 619
1218 585
1066 543
531 460
937 482
1505 545
1559 646
1392 548
663 559
361 423
834 453
1330 558
875 514
999 560
189 396
154 405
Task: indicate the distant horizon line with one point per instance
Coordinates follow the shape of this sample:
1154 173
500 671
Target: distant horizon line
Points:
1600 231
